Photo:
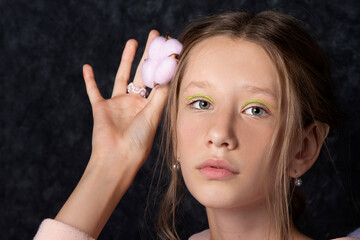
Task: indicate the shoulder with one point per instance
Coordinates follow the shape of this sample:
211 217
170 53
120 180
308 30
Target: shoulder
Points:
55 230
204 235
354 235
346 238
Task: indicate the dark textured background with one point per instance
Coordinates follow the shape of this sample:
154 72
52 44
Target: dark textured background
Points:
46 119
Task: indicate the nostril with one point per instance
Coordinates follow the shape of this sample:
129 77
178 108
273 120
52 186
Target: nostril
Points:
220 144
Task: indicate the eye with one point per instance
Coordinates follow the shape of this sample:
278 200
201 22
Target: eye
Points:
256 111
201 104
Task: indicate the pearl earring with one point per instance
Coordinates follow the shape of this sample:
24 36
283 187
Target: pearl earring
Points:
298 180
176 165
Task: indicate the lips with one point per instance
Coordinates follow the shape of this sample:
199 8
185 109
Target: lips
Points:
217 169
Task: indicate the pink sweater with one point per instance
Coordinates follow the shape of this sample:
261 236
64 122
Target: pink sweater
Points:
54 230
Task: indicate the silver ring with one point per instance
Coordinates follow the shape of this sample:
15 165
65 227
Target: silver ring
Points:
132 88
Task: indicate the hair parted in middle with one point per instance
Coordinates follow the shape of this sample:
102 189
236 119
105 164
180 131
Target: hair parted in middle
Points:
305 96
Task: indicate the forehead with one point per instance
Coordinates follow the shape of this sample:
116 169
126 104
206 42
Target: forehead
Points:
230 62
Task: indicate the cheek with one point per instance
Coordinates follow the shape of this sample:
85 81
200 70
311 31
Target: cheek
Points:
188 144
255 147
255 138
188 133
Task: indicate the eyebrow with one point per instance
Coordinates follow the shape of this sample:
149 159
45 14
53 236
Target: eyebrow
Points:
255 89
198 84
249 88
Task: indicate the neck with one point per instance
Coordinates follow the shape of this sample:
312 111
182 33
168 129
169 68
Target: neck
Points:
248 222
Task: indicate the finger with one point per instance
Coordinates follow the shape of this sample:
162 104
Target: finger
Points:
138 79
91 87
154 108
123 73
151 94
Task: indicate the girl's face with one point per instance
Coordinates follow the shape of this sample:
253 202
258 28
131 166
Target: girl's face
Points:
226 118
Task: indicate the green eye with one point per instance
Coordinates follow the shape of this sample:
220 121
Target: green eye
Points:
201 104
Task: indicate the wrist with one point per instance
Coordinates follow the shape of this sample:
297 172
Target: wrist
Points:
112 173
95 197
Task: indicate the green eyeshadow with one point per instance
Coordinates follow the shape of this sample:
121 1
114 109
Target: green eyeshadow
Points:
201 96
259 101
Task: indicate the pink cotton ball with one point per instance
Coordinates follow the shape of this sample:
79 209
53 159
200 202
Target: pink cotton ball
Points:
171 46
156 48
147 72
165 70
159 68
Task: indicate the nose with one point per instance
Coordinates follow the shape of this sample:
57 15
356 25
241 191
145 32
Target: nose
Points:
221 131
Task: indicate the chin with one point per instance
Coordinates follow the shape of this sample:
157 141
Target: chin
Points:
224 195
230 202
215 195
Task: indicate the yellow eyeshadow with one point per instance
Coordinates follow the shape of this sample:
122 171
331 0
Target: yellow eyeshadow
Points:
200 96
259 101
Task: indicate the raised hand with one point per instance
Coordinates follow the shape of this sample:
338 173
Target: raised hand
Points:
125 124
123 134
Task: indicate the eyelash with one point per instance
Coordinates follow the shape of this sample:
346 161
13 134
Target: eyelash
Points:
265 111
198 101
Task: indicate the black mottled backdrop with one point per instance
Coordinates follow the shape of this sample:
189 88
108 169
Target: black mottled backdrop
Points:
46 119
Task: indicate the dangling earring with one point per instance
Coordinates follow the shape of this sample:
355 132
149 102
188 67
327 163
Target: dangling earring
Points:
176 165
298 180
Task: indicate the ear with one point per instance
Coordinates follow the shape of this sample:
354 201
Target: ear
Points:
306 153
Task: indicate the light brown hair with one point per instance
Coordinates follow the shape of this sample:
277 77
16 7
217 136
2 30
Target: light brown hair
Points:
305 96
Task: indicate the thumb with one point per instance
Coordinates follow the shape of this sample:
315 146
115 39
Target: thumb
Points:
154 108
